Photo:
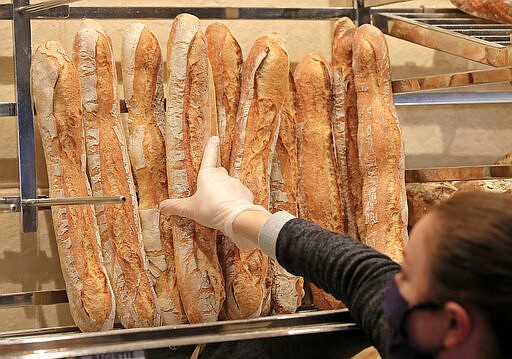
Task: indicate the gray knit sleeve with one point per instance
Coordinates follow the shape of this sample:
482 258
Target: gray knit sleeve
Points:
351 271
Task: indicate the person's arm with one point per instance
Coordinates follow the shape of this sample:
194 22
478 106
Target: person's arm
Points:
351 271
344 267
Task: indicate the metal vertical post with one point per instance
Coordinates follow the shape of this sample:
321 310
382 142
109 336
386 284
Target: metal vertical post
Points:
363 13
26 144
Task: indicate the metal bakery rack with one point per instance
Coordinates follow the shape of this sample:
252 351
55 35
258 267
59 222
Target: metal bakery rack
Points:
447 30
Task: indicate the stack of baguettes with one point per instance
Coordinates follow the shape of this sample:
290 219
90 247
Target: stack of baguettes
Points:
311 143
109 170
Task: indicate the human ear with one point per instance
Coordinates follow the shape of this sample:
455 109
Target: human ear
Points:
459 324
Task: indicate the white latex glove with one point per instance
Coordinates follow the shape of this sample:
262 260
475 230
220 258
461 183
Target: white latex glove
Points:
219 198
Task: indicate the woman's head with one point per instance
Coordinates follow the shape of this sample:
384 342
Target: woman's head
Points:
459 258
469 250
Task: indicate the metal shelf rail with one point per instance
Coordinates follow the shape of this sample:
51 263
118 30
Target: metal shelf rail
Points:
68 342
450 31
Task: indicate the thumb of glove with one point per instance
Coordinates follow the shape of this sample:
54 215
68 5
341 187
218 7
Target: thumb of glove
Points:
178 207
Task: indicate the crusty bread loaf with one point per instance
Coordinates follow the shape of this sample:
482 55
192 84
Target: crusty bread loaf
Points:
319 196
344 126
287 290
188 127
505 159
263 89
381 151
109 170
226 58
56 96
283 176
406 85
495 10
502 185
142 67
422 196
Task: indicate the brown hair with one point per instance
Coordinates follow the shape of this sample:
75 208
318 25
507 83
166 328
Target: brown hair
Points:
471 258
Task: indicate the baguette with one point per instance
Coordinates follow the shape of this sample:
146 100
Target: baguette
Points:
56 96
422 196
287 289
344 126
263 89
381 151
142 67
188 127
319 201
226 59
501 185
495 10
109 169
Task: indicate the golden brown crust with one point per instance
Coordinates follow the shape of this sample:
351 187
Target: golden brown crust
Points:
283 185
56 95
143 84
110 174
381 153
345 125
422 196
264 87
495 10
225 56
494 185
287 290
189 125
319 201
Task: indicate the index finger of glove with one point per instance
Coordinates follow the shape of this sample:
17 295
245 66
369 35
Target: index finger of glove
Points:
210 153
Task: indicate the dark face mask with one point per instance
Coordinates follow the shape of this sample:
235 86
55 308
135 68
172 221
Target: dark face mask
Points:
398 313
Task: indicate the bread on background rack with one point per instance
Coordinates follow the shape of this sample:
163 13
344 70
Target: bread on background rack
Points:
494 10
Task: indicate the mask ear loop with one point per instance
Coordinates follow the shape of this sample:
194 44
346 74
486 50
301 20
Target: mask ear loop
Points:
423 306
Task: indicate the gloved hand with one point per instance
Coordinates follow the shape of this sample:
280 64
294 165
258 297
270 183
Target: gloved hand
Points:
219 198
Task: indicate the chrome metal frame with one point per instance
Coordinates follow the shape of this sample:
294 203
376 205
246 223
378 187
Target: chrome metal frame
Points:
66 343
452 32
54 342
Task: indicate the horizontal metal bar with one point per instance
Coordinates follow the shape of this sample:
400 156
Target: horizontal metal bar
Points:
228 13
419 11
7 109
43 297
441 39
48 202
372 3
45 5
476 26
15 203
463 173
456 98
76 344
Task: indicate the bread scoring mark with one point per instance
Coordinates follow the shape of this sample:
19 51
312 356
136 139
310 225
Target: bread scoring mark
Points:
131 39
246 98
183 31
